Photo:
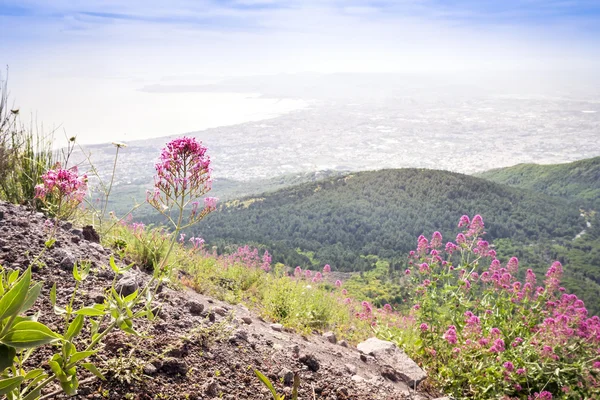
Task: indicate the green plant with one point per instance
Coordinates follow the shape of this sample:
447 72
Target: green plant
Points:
25 153
270 386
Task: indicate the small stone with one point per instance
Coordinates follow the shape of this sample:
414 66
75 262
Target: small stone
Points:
212 388
310 361
247 320
90 234
97 247
97 297
350 368
195 307
128 284
66 259
330 336
67 225
77 232
149 369
363 358
357 378
220 310
277 327
343 343
288 376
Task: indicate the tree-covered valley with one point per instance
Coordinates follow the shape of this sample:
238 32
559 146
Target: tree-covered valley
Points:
343 220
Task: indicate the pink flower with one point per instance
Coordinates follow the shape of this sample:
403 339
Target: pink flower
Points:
387 308
344 292
338 283
436 240
326 269
297 271
424 327
318 277
521 371
509 366
450 334
464 221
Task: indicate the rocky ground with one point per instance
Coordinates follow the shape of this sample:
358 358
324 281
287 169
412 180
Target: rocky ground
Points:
198 348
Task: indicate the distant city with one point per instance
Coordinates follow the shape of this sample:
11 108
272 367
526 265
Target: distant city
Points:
460 134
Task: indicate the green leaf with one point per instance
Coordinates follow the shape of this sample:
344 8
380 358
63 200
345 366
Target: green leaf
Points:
34 373
80 356
76 273
29 334
7 356
13 300
91 311
13 277
131 297
114 266
7 385
50 242
53 295
267 383
74 327
92 368
70 386
32 295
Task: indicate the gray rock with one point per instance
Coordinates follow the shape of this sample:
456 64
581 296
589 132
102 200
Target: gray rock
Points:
357 378
128 284
287 376
67 260
212 388
149 369
350 368
396 365
277 327
77 232
343 343
374 346
220 311
97 297
195 307
330 336
310 361
247 320
97 247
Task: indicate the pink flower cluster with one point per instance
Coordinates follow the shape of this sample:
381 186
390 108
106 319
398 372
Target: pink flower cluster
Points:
63 185
182 175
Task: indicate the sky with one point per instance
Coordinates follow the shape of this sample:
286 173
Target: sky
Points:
80 65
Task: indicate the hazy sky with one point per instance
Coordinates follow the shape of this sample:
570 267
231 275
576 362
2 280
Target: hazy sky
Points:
78 63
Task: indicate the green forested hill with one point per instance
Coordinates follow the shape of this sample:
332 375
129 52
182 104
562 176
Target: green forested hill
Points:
578 180
382 213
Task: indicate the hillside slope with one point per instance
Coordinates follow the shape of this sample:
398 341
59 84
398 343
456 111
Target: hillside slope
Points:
578 180
198 348
381 213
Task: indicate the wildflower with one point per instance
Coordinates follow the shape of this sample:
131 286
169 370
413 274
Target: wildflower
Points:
344 292
424 268
318 277
460 239
65 184
509 366
450 334
307 273
513 265
407 272
182 238
297 271
424 327
517 341
387 308
338 283
266 261
326 269
498 346
521 371
464 221
545 395
436 239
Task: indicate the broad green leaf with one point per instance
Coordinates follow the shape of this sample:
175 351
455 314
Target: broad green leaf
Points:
90 311
74 327
34 373
92 368
7 356
29 334
33 395
7 385
80 356
85 270
11 302
49 243
131 297
32 295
